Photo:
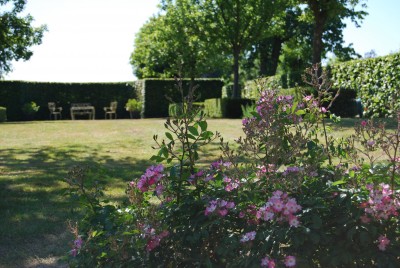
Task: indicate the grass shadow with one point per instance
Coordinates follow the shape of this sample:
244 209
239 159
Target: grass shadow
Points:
34 207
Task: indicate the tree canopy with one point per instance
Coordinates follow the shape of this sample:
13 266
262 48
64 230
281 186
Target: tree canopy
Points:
17 35
256 37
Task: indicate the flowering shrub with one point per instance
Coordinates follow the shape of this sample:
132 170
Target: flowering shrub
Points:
283 198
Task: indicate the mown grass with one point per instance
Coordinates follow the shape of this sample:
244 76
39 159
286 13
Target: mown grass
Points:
35 157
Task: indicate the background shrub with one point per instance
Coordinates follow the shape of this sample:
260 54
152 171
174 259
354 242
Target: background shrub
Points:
376 81
226 108
157 94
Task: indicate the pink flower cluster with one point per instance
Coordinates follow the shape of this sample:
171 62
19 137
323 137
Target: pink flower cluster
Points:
270 168
381 204
231 184
281 208
219 207
152 176
248 237
153 238
289 261
383 242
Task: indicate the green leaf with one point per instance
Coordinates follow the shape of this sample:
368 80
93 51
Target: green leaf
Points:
193 130
338 182
169 136
203 125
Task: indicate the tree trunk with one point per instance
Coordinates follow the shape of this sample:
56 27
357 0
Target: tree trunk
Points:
236 86
270 50
317 42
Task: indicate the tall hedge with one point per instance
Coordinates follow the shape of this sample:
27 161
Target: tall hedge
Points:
157 94
376 80
14 94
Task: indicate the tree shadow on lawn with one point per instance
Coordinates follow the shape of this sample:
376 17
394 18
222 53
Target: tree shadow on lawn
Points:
34 207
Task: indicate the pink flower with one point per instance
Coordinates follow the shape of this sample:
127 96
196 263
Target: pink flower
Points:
307 98
364 123
223 212
78 243
248 237
383 242
74 252
159 189
290 261
230 205
267 262
293 221
322 110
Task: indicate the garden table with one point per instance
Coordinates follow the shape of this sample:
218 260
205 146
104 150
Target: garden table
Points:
82 109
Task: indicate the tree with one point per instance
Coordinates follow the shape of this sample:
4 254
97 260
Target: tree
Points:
326 12
174 44
16 34
238 24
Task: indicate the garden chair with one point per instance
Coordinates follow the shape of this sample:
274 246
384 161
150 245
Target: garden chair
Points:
112 110
54 111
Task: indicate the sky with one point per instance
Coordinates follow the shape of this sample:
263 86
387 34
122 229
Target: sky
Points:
91 40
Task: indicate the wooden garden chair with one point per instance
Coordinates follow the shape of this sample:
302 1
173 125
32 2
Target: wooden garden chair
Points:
112 110
54 110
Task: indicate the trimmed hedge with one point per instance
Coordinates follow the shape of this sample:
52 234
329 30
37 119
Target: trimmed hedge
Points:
213 108
156 94
376 81
3 114
225 108
13 95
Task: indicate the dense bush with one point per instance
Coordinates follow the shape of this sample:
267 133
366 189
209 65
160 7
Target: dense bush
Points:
3 114
376 81
225 108
14 94
213 108
157 94
283 198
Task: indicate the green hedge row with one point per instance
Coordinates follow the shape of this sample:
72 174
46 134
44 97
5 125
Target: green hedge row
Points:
15 94
3 114
156 94
225 108
376 81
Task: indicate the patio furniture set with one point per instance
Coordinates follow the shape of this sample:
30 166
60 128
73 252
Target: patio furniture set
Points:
78 109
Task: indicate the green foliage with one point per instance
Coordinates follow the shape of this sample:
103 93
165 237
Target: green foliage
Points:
14 94
157 94
16 34
133 105
173 44
30 108
3 114
376 81
213 108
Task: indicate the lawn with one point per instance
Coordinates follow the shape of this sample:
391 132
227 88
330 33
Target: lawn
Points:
35 157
